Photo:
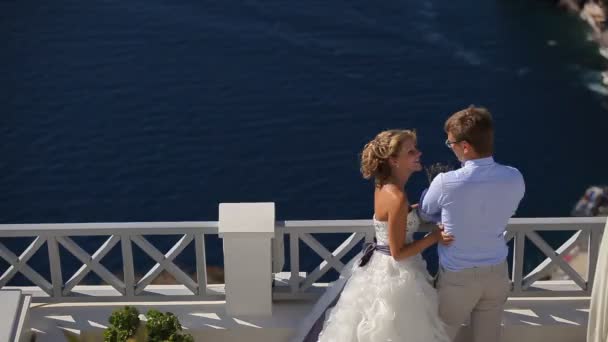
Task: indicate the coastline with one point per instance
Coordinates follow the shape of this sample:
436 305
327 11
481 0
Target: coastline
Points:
594 13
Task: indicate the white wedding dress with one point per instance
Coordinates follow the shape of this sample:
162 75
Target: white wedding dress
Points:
385 300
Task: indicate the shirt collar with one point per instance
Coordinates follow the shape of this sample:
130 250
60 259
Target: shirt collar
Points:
479 162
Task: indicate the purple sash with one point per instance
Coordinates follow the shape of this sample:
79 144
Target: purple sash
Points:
368 251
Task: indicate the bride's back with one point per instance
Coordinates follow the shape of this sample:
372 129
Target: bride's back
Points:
383 198
386 196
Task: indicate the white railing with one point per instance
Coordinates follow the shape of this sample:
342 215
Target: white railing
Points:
301 285
126 289
588 230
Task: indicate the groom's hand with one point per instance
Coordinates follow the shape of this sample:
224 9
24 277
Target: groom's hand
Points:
445 238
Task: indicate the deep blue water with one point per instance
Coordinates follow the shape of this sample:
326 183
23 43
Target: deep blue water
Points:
159 110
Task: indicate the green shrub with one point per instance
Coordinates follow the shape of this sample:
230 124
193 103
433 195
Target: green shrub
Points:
160 327
163 327
123 325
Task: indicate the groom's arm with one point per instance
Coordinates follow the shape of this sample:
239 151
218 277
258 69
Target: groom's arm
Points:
430 201
424 216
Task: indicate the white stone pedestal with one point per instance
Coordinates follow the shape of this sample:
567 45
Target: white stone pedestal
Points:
247 230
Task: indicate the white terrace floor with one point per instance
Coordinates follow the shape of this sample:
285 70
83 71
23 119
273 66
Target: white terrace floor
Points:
525 320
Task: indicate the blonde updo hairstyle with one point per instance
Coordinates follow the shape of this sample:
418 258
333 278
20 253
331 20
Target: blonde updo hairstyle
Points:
376 154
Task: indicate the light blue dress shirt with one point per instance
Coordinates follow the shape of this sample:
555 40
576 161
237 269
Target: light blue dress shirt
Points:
474 203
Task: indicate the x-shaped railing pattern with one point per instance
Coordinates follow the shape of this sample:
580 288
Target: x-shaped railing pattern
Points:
19 264
518 230
129 234
165 261
330 259
555 258
91 263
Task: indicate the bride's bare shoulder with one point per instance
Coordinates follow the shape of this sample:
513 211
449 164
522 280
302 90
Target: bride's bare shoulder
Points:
391 194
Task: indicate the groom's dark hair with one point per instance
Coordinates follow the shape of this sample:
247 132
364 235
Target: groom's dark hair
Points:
473 125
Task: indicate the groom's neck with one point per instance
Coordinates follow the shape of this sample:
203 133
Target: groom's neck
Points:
475 155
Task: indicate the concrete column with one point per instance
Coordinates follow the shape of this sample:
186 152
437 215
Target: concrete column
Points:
247 230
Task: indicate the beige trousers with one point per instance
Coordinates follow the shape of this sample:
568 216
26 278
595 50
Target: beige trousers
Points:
476 295
597 330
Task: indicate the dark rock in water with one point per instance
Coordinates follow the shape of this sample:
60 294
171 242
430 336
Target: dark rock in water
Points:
571 5
434 169
594 12
593 203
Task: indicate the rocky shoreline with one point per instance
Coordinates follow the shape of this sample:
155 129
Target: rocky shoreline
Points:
594 12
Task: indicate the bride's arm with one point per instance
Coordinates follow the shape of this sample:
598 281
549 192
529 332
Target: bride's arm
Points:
397 219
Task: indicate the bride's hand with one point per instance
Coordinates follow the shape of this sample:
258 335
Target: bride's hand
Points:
442 236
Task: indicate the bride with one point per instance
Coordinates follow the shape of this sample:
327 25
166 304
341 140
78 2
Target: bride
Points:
385 293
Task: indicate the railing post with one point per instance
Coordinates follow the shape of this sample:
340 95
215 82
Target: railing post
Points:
127 262
593 249
247 230
294 260
55 265
519 242
201 263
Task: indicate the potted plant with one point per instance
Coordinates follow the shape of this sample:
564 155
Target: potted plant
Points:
124 326
162 327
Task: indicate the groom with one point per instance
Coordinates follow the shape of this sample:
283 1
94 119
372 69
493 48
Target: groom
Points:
474 204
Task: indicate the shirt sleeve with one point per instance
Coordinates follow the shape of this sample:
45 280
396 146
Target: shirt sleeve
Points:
430 206
521 190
